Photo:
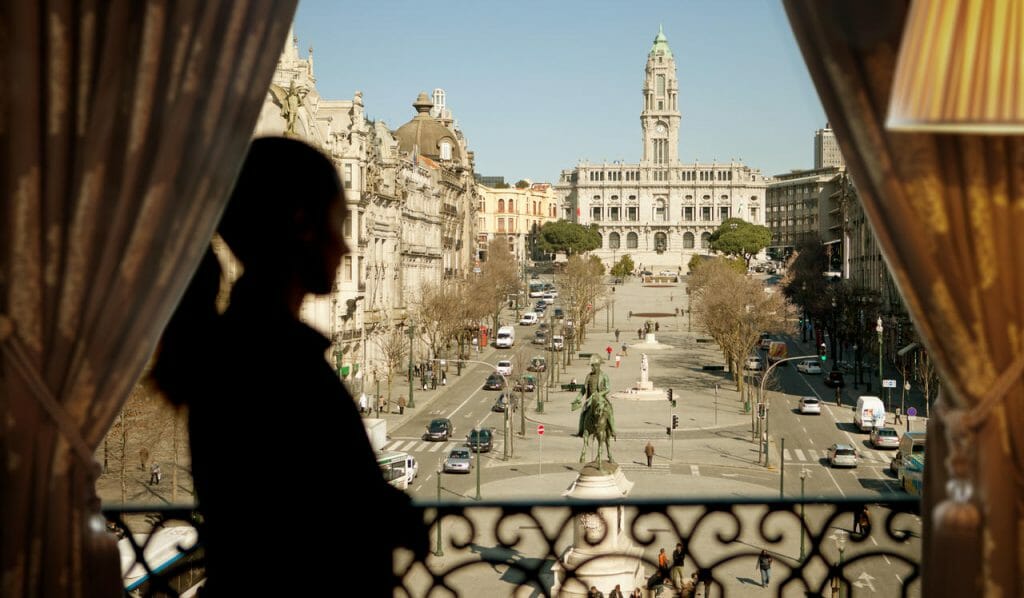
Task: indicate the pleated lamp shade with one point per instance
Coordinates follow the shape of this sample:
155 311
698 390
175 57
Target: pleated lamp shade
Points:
960 68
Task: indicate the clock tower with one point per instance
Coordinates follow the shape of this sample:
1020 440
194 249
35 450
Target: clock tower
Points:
660 116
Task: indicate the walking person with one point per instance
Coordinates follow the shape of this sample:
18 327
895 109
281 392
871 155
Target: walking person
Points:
155 475
899 416
640 334
363 405
625 349
401 405
663 563
608 350
649 451
616 335
764 565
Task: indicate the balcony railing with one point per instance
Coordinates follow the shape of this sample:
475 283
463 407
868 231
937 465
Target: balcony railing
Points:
563 547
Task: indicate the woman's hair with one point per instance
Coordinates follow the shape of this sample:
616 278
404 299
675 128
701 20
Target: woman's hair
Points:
283 192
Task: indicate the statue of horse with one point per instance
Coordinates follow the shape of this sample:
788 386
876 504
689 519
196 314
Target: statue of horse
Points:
597 425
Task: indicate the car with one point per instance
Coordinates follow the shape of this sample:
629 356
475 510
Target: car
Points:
543 327
500 404
504 367
526 384
834 379
557 342
765 342
534 276
809 405
646 273
558 314
529 319
494 382
459 461
541 305
440 429
480 440
548 298
912 443
885 437
540 338
753 363
666 273
842 455
809 366
537 364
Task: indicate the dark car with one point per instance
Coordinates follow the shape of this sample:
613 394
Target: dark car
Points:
500 404
558 313
480 441
834 379
439 429
526 384
494 382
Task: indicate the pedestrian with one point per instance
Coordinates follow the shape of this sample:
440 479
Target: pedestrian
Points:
624 349
476 344
382 405
363 405
640 334
630 316
423 380
594 593
678 555
444 378
899 415
637 593
670 298
608 350
616 335
764 565
401 405
662 562
433 380
618 360
649 451
617 592
155 474
689 586
657 326
677 312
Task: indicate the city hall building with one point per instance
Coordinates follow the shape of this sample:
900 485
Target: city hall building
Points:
661 212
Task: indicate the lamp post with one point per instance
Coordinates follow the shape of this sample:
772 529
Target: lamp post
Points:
881 376
840 540
803 522
412 333
856 364
477 431
803 322
438 550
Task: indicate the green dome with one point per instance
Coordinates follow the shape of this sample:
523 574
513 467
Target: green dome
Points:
661 44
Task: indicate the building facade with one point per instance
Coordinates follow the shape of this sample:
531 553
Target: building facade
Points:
796 202
411 206
660 211
826 149
515 215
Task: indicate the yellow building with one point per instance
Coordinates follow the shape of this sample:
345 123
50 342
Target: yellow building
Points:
516 215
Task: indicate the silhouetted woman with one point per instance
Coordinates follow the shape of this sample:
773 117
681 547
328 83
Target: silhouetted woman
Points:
273 431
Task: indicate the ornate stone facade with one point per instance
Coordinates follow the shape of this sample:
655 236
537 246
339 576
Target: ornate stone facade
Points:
411 211
660 211
516 215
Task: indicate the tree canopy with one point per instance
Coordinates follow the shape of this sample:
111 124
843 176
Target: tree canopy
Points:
567 237
739 238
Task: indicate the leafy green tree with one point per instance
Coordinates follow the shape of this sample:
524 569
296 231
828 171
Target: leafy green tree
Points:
738 238
522 184
624 267
567 237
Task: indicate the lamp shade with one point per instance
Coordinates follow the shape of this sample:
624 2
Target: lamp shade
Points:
960 68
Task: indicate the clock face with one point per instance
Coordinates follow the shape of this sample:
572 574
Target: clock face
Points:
660 129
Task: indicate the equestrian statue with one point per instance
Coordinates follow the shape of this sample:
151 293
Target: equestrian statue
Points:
597 420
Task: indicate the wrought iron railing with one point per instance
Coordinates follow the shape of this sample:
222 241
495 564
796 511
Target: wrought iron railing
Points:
562 548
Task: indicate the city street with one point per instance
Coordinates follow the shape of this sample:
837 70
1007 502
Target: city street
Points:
711 455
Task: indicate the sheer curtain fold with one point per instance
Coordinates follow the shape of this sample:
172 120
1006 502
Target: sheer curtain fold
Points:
122 127
947 211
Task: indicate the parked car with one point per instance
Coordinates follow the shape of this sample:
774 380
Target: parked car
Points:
834 379
810 405
440 429
494 382
480 440
504 367
885 438
753 364
842 455
809 366
458 461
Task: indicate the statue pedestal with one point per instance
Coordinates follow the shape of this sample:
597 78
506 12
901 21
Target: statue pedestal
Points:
649 338
601 554
643 385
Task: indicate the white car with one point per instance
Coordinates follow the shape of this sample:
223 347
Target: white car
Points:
548 298
809 405
753 363
504 367
528 319
808 367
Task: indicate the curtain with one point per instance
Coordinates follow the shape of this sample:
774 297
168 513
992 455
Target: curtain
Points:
947 211
122 126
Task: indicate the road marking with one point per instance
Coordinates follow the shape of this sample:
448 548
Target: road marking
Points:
799 454
403 446
694 470
813 454
437 446
864 579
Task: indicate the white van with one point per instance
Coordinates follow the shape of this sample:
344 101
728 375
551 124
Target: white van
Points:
399 469
529 318
506 337
870 413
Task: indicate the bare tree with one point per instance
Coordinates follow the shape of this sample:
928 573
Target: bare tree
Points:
580 286
498 279
927 377
393 347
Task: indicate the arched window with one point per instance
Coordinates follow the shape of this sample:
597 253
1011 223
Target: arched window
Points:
446 150
501 206
705 240
511 206
660 242
687 240
631 240
613 240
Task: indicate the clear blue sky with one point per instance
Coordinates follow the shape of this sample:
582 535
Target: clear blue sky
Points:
537 86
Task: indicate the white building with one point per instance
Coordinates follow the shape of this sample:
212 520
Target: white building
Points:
515 215
660 211
826 149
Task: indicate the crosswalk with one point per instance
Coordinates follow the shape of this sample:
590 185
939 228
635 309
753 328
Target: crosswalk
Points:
815 456
424 446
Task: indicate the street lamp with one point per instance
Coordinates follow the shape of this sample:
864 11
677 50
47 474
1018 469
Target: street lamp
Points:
477 432
840 540
878 329
803 522
411 333
438 550
803 322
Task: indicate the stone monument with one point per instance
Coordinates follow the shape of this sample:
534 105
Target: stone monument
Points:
643 389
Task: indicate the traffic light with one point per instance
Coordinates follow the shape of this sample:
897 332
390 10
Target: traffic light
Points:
822 353
670 399
675 422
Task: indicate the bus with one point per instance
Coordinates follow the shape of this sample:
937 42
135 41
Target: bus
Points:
536 289
174 556
399 468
